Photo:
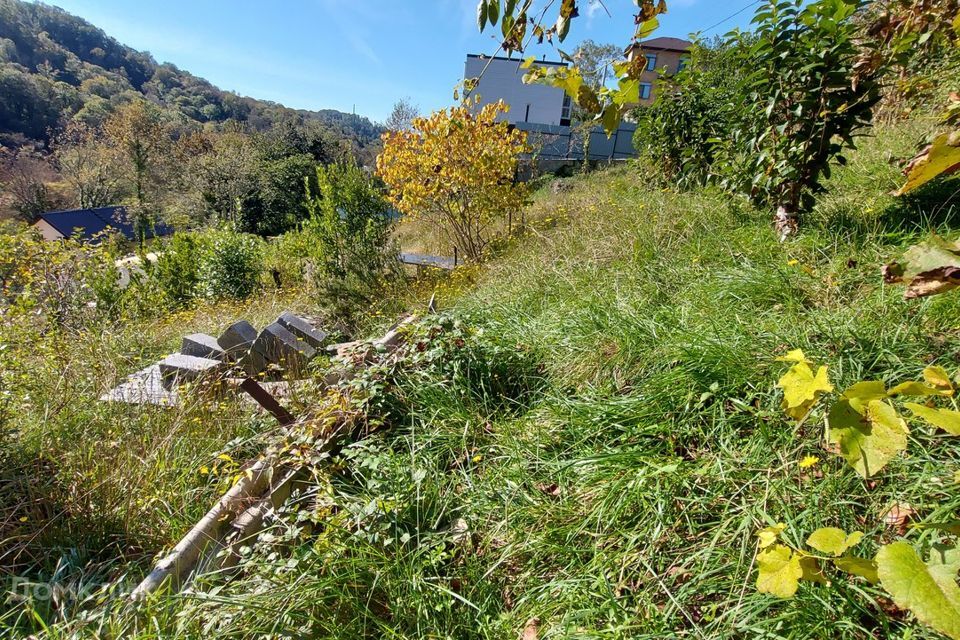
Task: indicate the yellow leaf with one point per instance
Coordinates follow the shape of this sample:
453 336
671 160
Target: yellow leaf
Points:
940 158
769 535
794 356
946 419
224 457
801 388
779 571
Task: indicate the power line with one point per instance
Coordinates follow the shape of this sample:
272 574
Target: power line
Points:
732 16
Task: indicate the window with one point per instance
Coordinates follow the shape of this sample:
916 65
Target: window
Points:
683 64
565 111
645 90
651 61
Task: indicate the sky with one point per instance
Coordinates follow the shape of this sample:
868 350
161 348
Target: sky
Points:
355 55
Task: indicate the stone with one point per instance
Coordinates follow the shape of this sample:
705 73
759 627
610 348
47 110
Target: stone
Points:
237 339
179 368
201 345
253 363
302 329
278 345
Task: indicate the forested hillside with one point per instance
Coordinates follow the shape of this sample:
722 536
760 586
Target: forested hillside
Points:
56 68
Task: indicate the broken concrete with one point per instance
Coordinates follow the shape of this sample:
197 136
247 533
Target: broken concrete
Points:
302 329
237 339
143 387
278 345
201 345
179 368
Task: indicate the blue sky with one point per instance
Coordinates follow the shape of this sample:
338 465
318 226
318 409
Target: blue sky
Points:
351 54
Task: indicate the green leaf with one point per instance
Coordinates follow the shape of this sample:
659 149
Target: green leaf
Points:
862 567
801 389
867 441
493 11
482 14
940 158
833 541
779 571
928 590
645 28
946 419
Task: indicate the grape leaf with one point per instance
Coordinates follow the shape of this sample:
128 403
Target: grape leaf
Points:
861 393
769 535
794 356
929 589
833 541
811 570
859 567
867 442
940 158
928 268
946 419
936 382
779 571
801 389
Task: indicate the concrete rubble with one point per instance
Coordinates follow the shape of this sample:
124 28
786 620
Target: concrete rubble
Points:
287 345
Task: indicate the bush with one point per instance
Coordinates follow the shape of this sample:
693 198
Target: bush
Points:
350 225
230 265
177 271
699 106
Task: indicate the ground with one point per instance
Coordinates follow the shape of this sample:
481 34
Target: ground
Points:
595 444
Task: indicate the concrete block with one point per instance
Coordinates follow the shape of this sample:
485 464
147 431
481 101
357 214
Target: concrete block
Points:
201 345
253 363
302 329
179 368
237 339
278 345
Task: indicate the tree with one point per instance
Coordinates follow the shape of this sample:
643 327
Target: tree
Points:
523 22
28 181
89 167
807 105
351 224
402 116
458 170
594 62
142 144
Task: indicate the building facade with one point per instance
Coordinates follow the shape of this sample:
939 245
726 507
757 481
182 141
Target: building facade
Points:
502 79
663 56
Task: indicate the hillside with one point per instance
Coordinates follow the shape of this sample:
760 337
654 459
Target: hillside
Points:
583 445
55 67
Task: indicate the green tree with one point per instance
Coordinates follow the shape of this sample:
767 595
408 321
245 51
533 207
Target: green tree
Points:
351 222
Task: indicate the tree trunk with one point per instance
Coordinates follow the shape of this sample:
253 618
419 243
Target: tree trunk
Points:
785 222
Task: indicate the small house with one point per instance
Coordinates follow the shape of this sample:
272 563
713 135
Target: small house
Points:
88 223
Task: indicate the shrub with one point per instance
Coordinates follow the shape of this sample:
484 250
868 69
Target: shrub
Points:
698 107
230 265
177 271
351 222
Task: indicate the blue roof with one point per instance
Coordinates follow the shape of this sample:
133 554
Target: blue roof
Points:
90 222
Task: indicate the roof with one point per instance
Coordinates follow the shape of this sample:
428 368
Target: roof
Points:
517 60
663 44
90 222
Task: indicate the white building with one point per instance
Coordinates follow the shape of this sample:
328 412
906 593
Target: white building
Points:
502 79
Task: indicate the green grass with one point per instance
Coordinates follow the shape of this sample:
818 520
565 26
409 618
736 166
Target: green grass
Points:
611 440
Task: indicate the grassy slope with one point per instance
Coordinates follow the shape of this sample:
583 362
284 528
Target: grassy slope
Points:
622 501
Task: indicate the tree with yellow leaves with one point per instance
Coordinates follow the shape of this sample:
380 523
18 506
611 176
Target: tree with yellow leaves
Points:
457 169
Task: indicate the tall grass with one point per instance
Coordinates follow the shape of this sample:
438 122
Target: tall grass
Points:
616 493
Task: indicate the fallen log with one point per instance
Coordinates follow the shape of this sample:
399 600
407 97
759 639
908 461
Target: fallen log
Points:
214 542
